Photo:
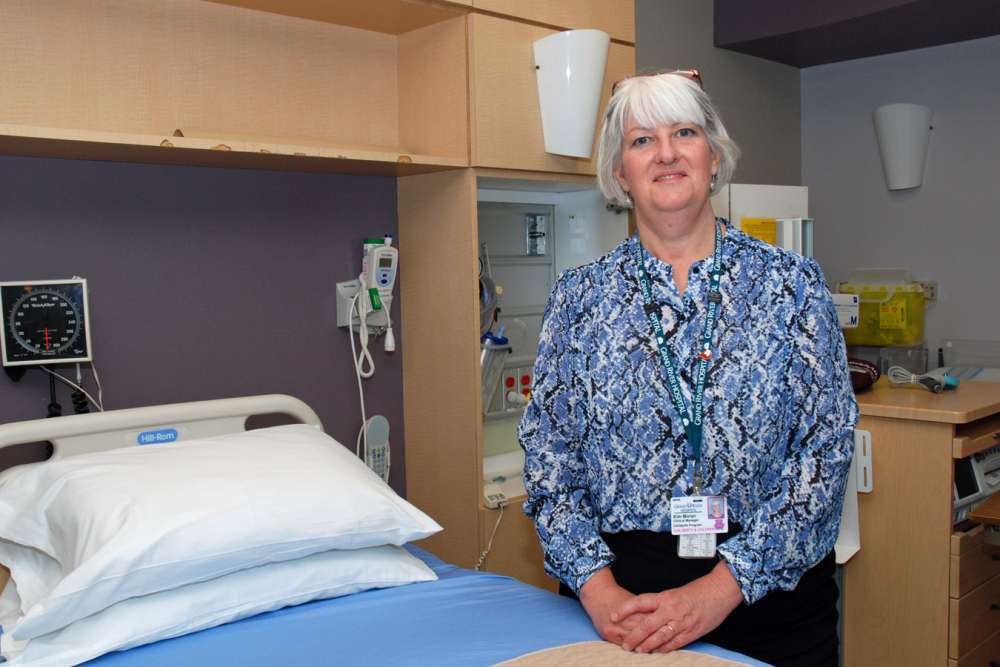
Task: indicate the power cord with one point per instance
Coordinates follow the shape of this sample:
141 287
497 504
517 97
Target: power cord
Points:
55 410
100 389
53 376
364 365
934 382
359 373
489 547
81 404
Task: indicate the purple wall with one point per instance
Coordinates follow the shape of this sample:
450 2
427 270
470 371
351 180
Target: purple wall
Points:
203 283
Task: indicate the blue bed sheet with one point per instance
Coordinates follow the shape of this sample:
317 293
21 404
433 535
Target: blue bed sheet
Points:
464 618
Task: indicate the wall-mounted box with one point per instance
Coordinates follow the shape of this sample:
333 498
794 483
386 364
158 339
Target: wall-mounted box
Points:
890 311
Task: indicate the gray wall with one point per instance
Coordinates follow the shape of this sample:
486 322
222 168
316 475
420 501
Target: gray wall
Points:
203 283
947 230
758 99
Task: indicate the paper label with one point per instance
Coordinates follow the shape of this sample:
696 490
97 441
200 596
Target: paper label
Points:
847 310
765 229
892 315
700 545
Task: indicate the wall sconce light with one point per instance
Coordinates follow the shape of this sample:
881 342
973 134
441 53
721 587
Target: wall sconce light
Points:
570 69
903 132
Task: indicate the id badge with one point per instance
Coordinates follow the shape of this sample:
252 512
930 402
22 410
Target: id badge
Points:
696 520
696 545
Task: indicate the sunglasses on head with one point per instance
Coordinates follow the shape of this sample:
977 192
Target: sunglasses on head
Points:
692 74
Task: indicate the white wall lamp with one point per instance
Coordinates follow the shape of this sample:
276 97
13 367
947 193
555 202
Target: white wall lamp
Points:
570 69
903 132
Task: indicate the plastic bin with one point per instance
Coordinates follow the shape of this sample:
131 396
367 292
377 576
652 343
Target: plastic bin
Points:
891 308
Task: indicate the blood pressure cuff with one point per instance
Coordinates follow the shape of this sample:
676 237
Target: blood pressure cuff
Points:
863 373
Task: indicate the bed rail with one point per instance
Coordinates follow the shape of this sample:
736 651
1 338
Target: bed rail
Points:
79 434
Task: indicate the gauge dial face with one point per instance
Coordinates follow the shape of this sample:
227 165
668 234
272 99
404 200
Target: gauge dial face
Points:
44 323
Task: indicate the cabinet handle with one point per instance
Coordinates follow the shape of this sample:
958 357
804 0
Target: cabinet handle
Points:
995 606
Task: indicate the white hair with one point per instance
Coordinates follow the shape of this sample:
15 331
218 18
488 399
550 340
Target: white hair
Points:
650 101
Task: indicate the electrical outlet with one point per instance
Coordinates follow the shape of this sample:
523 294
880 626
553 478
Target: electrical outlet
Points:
930 289
525 380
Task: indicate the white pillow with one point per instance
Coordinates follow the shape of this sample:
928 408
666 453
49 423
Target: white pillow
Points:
134 521
176 612
32 571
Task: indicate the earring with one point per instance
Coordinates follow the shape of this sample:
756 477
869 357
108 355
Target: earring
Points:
628 200
712 183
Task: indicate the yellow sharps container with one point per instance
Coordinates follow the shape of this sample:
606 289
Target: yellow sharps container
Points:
891 308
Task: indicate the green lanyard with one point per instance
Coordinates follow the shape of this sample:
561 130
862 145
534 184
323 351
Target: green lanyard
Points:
692 419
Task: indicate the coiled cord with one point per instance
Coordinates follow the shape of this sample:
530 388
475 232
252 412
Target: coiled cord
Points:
900 376
489 547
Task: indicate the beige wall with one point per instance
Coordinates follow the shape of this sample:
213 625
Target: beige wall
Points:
758 99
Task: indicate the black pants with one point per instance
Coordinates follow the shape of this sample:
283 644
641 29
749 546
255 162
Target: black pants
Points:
785 628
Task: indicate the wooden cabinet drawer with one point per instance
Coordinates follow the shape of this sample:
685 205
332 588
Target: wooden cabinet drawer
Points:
976 436
974 618
986 654
972 560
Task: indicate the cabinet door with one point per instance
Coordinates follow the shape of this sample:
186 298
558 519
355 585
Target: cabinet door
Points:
615 17
506 121
439 316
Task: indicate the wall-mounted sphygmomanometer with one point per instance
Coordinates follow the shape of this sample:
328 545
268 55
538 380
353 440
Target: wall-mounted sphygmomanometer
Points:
44 322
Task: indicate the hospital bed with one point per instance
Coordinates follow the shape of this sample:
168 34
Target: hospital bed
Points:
460 617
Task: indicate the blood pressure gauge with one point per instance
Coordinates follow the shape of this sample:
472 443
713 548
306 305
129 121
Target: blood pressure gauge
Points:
44 322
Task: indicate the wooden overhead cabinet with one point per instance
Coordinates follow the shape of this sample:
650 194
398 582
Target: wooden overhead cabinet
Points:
615 17
196 82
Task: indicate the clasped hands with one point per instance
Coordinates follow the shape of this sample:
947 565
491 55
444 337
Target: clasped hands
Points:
660 622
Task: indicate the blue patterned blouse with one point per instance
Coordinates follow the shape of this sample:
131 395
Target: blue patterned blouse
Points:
605 449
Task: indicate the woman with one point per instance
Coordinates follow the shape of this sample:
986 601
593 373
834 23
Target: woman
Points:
690 362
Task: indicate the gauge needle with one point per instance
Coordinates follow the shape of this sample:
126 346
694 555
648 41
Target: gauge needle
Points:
46 330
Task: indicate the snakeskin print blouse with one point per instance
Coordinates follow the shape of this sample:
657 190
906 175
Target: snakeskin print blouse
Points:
606 450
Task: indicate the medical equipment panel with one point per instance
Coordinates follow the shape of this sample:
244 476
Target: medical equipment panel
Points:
44 322
977 477
364 305
379 266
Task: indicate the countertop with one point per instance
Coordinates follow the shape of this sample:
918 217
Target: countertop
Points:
971 401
